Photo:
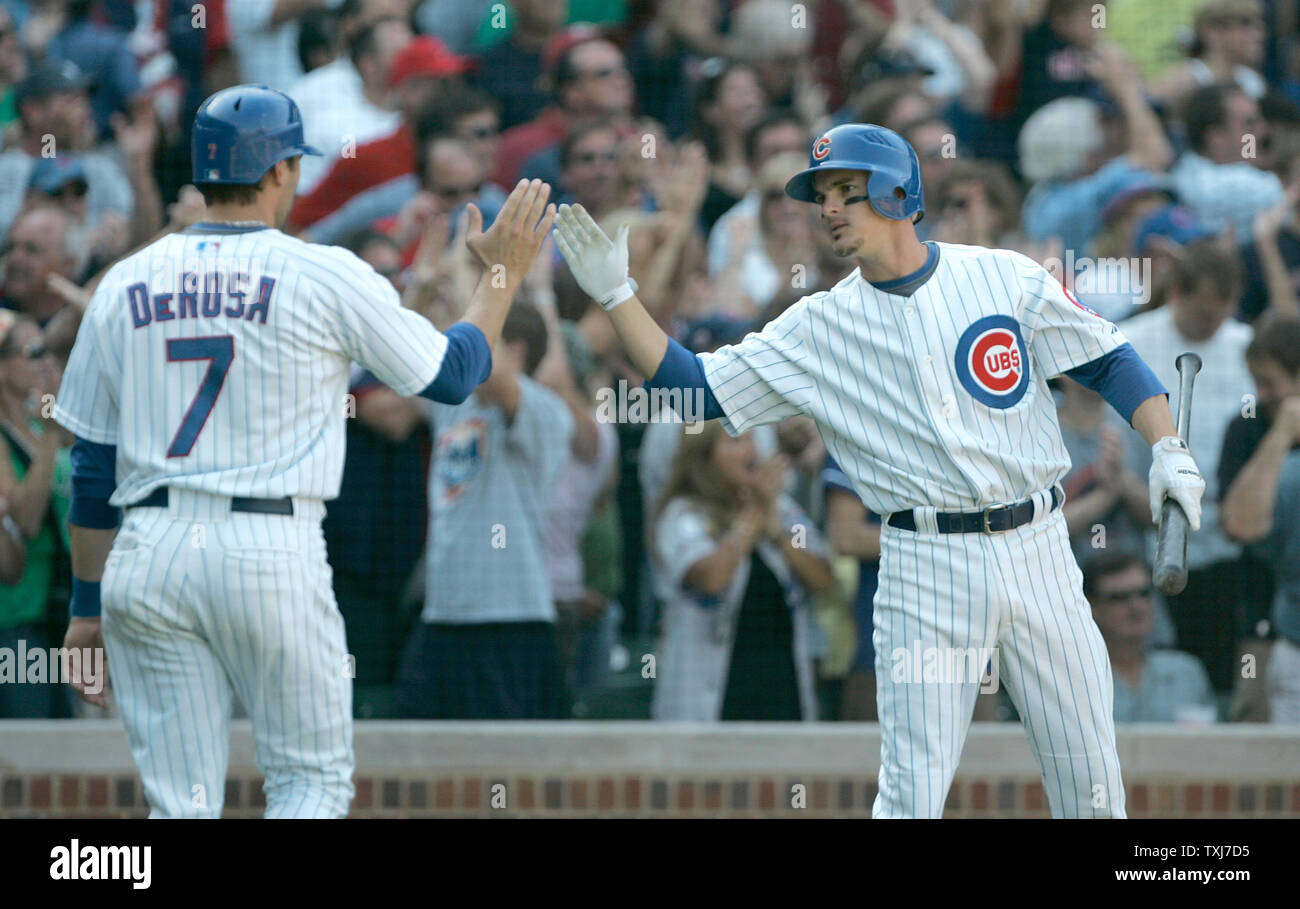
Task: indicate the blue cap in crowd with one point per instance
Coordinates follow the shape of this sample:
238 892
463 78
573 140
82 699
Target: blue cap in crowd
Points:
52 175
1173 222
1138 183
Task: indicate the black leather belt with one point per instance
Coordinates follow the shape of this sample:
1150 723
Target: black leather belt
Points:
159 499
994 519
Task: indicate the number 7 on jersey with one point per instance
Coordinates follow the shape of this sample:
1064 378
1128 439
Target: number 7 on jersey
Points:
220 349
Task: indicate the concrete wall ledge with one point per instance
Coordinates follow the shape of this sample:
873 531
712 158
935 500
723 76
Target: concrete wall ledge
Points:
1240 753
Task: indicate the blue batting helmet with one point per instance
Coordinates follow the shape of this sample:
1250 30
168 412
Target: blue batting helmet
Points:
241 132
894 186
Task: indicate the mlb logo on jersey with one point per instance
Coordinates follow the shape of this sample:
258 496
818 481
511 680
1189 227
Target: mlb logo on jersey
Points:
992 362
1071 297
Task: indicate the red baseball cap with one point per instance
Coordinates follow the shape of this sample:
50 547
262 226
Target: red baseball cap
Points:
425 56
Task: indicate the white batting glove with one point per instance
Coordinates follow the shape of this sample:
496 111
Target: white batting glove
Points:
598 264
1175 475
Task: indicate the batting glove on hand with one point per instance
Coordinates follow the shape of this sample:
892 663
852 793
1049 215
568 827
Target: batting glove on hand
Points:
598 264
1175 475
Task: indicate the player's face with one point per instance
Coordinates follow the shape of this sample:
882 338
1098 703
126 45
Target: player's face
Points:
1199 313
1121 606
592 172
481 131
736 460
35 252
1273 384
23 373
847 224
284 204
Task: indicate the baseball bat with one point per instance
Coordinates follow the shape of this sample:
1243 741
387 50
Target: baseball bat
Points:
1171 539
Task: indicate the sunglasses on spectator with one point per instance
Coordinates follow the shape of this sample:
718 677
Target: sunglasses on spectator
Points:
1120 596
455 192
1241 21
33 351
75 189
603 73
593 157
483 132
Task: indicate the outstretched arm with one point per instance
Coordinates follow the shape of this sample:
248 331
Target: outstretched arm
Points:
506 252
599 265
751 383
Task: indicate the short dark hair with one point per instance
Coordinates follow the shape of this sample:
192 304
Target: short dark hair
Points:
1207 109
706 92
364 40
1208 260
439 117
780 116
231 193
236 193
525 323
316 30
1057 8
564 72
357 242
575 136
1277 340
1106 563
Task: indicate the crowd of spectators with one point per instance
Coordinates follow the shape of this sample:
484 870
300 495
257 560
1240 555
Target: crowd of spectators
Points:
507 557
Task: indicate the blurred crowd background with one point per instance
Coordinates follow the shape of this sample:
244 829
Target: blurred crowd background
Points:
525 555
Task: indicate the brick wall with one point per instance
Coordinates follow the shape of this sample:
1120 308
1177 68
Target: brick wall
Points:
645 770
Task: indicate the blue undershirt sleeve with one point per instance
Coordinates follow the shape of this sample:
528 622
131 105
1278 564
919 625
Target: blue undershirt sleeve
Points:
94 477
682 370
1121 378
466 364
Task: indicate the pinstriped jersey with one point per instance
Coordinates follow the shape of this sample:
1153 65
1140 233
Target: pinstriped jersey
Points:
217 359
935 398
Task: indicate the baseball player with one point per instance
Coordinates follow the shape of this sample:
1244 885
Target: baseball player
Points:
926 372
207 393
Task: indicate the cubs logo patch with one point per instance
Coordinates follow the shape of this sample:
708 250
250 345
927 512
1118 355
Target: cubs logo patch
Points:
992 362
821 148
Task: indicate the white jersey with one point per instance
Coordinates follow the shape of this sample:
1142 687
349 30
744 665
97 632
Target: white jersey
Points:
216 360
939 398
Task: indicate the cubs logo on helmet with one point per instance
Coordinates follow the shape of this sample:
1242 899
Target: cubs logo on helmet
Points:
892 167
992 362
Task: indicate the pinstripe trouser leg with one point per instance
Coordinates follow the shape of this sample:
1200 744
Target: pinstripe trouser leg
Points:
279 634
201 603
930 605
170 687
1057 671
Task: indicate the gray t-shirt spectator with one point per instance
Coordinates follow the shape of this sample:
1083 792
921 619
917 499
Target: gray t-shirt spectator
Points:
489 500
107 188
1281 550
1171 680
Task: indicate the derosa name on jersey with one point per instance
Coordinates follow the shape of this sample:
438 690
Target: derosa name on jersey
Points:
209 295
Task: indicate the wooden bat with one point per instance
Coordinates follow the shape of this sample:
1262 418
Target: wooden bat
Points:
1171 539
